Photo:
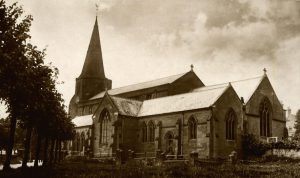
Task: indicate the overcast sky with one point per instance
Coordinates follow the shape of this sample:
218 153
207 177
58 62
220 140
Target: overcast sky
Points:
142 40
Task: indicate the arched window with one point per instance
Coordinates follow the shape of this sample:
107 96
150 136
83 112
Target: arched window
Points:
230 125
169 138
82 144
104 133
77 142
90 109
151 131
265 113
192 127
144 132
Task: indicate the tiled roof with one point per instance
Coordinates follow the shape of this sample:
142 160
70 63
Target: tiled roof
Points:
81 121
202 98
140 86
127 107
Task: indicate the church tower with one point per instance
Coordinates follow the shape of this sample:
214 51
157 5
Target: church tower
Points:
92 79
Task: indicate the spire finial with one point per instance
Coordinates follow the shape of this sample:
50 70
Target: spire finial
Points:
265 71
97 9
192 67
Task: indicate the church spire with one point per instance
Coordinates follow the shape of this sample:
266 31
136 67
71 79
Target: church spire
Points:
92 79
93 64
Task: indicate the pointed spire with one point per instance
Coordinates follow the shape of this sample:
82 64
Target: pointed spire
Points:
93 64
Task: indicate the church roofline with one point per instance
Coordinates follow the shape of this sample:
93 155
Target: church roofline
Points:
141 86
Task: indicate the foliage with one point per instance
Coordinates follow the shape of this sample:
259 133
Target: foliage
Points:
3 133
28 86
253 147
297 126
276 169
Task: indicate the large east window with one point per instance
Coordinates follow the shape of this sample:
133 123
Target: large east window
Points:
265 113
104 132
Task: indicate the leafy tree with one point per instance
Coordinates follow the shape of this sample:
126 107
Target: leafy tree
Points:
297 126
13 64
28 87
3 133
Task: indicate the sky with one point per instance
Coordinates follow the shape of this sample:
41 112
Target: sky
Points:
225 40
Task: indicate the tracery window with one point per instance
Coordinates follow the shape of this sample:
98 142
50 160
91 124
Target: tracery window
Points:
144 132
192 128
104 133
265 113
230 125
151 131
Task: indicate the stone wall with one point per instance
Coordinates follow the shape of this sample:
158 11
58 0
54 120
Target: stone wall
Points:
98 148
169 124
223 147
252 109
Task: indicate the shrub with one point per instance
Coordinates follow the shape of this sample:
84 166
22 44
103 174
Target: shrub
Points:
252 147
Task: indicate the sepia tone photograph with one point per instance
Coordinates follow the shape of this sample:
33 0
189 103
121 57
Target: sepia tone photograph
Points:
149 88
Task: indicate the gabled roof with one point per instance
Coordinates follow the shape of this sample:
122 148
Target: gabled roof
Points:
140 86
244 88
81 121
127 107
202 98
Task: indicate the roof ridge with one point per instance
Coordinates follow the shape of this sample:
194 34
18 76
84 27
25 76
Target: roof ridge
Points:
112 96
183 94
237 80
148 81
227 83
260 76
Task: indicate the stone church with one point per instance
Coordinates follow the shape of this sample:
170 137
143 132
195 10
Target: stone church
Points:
174 116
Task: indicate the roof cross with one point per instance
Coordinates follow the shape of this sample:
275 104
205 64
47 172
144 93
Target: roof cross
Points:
265 71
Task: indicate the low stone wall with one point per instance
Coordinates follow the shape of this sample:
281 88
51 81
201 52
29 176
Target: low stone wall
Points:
291 153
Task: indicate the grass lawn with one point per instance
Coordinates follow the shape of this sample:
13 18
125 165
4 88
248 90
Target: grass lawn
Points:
276 169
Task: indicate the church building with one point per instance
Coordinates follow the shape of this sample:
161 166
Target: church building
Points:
174 116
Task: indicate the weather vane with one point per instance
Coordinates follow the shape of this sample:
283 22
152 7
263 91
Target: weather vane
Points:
97 8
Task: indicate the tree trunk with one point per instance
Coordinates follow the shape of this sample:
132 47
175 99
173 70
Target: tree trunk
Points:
59 151
45 160
11 140
37 151
51 150
27 146
56 151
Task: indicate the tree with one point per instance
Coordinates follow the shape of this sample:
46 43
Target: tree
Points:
28 86
3 134
13 64
297 126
